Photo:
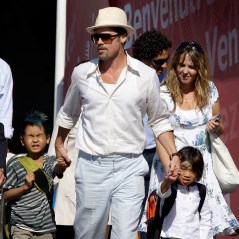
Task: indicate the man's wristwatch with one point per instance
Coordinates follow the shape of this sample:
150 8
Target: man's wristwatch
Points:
174 154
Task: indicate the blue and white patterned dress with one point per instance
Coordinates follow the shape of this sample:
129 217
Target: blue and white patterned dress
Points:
190 130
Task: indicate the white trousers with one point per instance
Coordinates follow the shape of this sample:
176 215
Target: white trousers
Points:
115 182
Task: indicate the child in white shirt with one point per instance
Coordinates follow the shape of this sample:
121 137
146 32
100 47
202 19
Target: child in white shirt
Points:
185 220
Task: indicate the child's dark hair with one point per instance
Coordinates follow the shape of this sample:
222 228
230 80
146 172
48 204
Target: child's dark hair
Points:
35 117
195 158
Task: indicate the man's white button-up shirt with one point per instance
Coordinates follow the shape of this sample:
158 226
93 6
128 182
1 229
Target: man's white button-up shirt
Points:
112 123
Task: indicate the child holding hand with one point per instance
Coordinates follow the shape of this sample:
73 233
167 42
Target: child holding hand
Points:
28 187
184 210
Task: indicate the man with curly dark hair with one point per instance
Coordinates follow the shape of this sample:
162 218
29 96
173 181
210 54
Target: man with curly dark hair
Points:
152 49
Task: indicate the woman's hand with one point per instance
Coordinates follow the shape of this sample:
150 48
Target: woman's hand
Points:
213 125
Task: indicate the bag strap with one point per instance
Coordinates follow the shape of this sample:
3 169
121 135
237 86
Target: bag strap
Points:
168 203
41 179
152 204
153 217
167 206
28 164
202 194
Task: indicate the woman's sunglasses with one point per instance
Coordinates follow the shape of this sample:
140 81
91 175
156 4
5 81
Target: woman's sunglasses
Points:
190 45
105 37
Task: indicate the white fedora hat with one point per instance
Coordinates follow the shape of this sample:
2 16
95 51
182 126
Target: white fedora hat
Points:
111 17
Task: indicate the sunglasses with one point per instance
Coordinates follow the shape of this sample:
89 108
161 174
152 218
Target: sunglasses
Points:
105 37
160 62
190 45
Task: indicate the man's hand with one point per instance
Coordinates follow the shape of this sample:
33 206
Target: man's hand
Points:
174 164
171 178
61 153
62 163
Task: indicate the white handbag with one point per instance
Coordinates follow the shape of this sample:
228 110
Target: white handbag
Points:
223 165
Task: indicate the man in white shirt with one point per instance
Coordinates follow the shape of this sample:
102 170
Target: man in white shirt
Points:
111 94
6 109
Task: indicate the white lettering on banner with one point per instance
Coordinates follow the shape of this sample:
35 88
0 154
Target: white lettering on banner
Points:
226 47
161 13
155 14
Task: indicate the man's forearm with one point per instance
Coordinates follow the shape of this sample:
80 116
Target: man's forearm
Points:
166 147
61 136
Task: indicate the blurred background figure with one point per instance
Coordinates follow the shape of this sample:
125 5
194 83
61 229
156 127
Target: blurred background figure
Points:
6 110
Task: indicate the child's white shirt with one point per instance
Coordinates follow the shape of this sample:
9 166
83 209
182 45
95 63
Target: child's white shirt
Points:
183 219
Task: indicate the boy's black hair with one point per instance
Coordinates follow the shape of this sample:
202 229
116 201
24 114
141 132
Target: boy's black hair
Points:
148 45
35 117
195 158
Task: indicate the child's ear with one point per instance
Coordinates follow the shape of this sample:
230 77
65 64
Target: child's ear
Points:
21 140
48 139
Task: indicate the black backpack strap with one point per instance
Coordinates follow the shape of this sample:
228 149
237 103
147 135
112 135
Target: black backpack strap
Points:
202 194
168 203
167 206
155 224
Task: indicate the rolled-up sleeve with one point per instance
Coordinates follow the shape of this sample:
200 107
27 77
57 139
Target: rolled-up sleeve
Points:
71 110
157 112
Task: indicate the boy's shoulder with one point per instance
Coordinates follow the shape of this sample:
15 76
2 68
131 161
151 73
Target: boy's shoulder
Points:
49 159
200 186
14 159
